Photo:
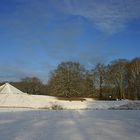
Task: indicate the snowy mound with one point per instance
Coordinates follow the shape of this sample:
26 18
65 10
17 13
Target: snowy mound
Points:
39 101
12 97
131 105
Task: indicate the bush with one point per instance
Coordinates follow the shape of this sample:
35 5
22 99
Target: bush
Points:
56 107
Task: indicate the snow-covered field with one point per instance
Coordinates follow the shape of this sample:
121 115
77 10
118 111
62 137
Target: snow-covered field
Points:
21 119
38 101
28 124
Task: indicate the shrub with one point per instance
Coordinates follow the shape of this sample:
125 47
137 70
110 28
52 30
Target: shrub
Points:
56 107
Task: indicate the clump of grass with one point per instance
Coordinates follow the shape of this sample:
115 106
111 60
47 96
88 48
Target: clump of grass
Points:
71 99
56 107
47 108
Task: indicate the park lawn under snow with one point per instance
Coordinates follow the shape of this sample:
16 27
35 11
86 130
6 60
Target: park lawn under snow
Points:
30 124
38 101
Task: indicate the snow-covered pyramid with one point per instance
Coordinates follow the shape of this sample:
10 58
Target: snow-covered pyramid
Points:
9 89
13 97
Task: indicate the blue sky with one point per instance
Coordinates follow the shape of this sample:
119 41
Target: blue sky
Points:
36 35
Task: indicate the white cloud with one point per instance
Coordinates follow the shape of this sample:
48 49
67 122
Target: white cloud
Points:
109 16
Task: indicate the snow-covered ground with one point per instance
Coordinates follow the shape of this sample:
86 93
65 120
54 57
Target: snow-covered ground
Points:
31 124
131 105
38 101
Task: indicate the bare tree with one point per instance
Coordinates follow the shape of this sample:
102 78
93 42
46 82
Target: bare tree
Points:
67 80
99 78
117 73
133 73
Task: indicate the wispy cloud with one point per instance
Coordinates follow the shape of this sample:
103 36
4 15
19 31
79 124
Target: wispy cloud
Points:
109 16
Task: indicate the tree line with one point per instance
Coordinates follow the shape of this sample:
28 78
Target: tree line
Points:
120 79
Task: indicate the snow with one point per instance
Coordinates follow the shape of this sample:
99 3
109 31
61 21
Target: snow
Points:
38 101
130 105
9 89
11 97
28 124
